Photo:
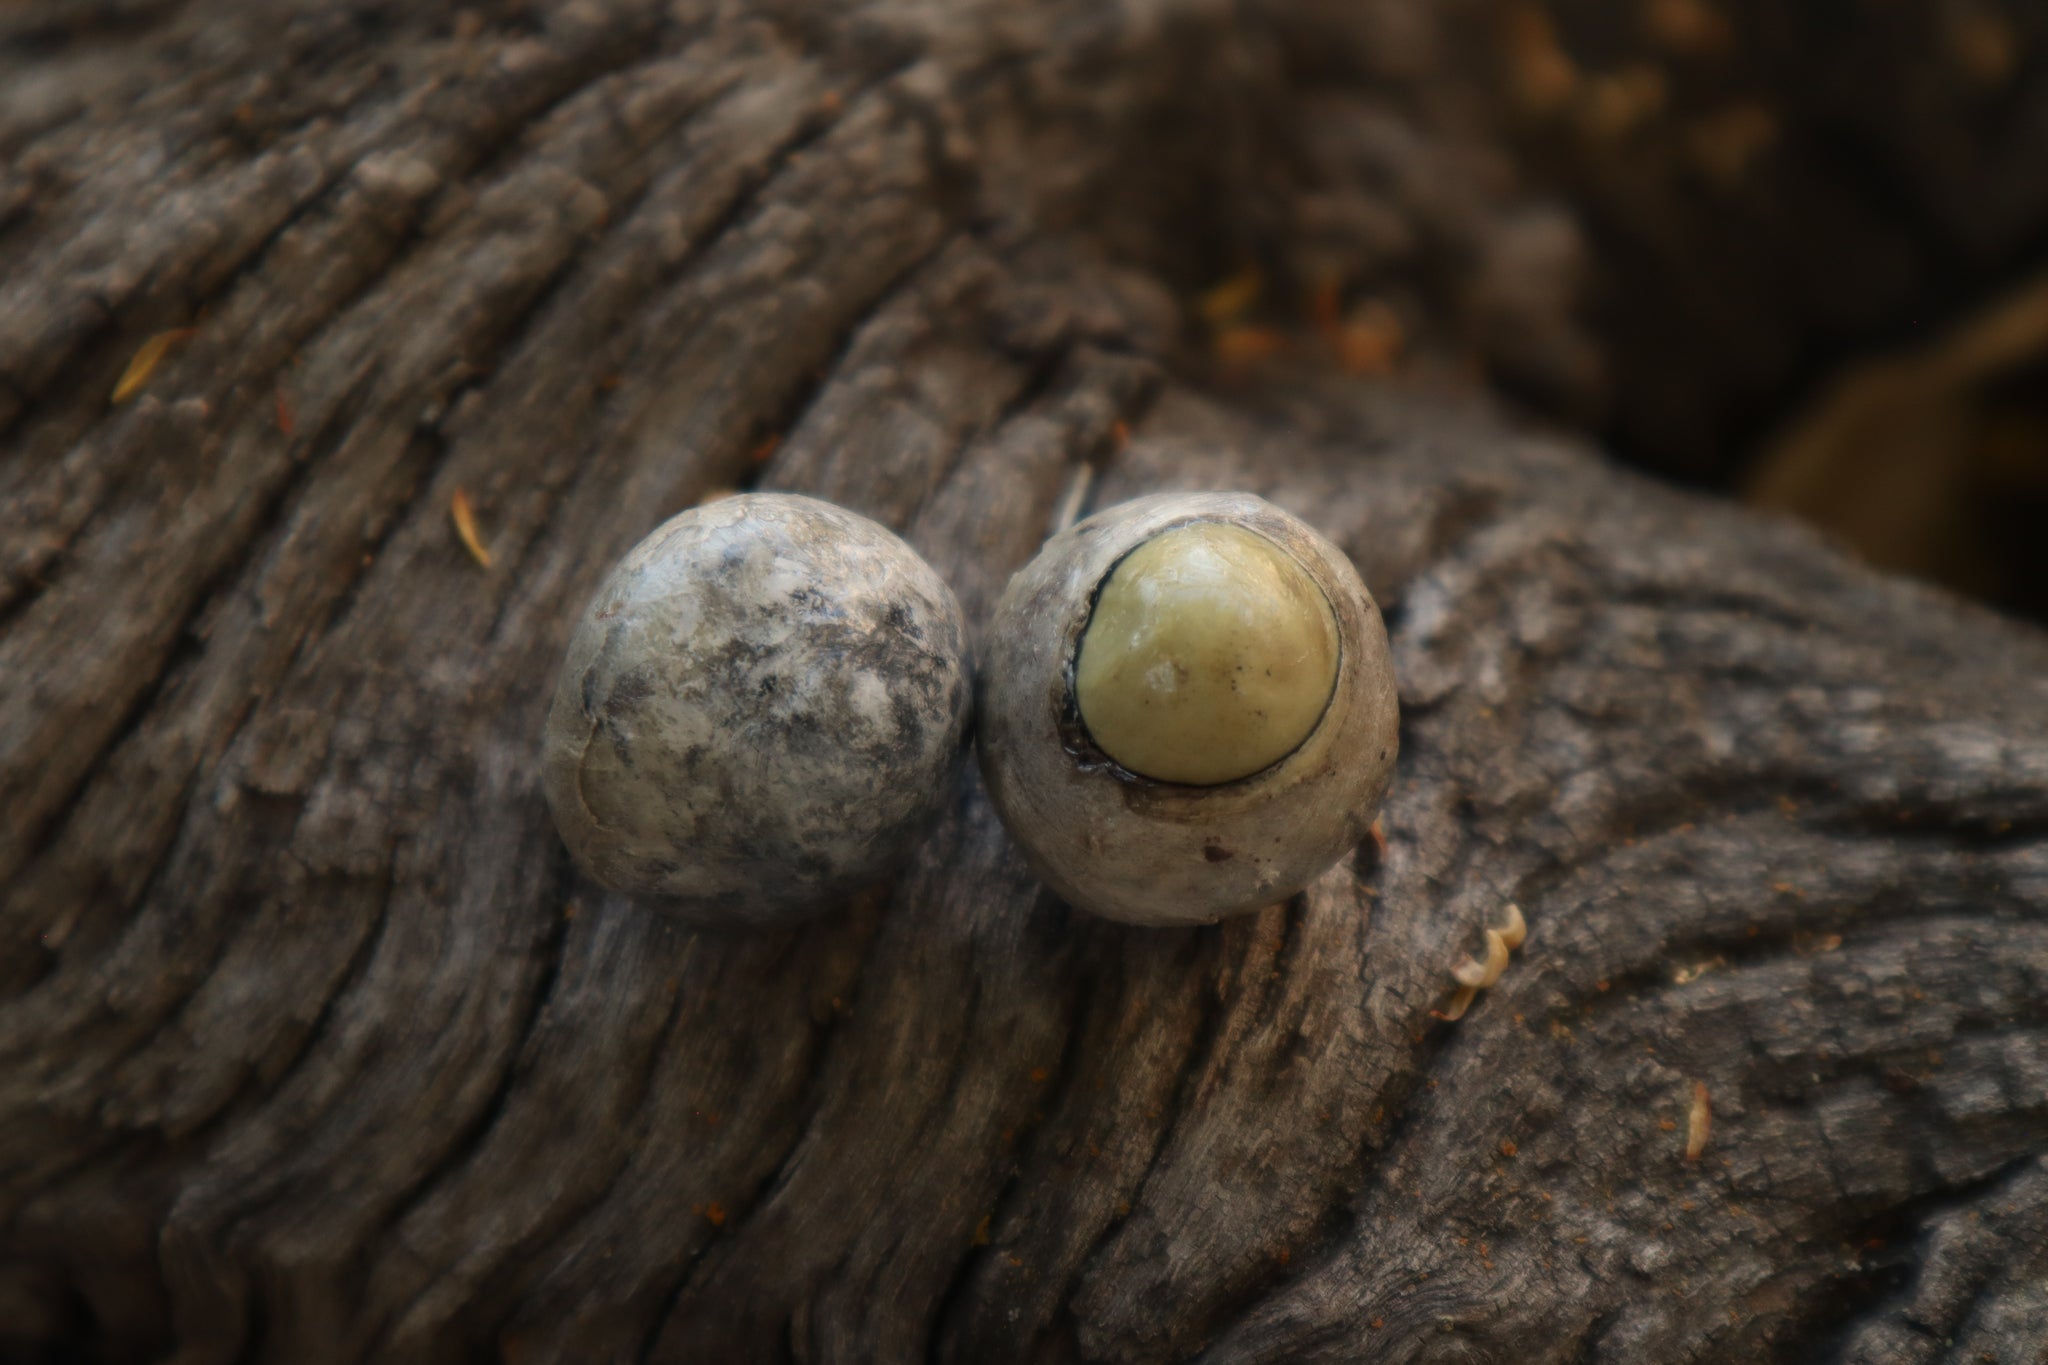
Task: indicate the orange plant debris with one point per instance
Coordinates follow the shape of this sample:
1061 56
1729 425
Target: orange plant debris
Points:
1543 74
1370 340
1693 28
147 357
1699 1122
1233 298
1240 347
464 516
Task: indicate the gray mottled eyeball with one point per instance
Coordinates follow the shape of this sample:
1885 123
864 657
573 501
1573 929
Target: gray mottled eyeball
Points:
1188 709
760 713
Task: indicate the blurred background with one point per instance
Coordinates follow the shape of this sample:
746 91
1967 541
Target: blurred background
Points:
1805 246
1881 171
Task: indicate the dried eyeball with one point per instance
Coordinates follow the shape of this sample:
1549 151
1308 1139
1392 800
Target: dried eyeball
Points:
1188 708
760 712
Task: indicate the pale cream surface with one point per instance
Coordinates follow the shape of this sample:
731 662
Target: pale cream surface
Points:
1210 655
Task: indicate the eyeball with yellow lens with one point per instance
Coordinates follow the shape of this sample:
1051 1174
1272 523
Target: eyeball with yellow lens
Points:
1188 708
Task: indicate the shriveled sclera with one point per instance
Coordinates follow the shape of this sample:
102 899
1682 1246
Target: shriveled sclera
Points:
1209 655
1187 708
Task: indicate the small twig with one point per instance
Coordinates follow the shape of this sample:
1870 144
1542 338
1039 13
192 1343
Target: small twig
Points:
1069 510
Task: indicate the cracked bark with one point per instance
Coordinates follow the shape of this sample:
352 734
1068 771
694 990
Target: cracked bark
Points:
314 1048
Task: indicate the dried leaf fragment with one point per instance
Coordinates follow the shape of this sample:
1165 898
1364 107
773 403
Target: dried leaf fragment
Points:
1984 47
1699 1122
1686 975
1542 73
1326 306
1460 1002
1240 347
464 517
147 357
1514 929
1473 977
1616 104
1691 27
1370 340
1726 144
1233 298
1480 975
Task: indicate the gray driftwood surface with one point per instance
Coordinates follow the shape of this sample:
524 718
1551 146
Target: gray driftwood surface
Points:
314 1047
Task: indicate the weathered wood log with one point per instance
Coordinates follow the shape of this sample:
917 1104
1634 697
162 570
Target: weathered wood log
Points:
313 1044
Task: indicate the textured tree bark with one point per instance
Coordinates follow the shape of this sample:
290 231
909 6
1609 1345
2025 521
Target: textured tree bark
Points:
313 1045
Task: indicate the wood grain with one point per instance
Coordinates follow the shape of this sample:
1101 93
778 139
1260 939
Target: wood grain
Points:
313 1045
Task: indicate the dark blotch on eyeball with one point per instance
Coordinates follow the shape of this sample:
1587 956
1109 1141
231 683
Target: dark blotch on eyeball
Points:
760 713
